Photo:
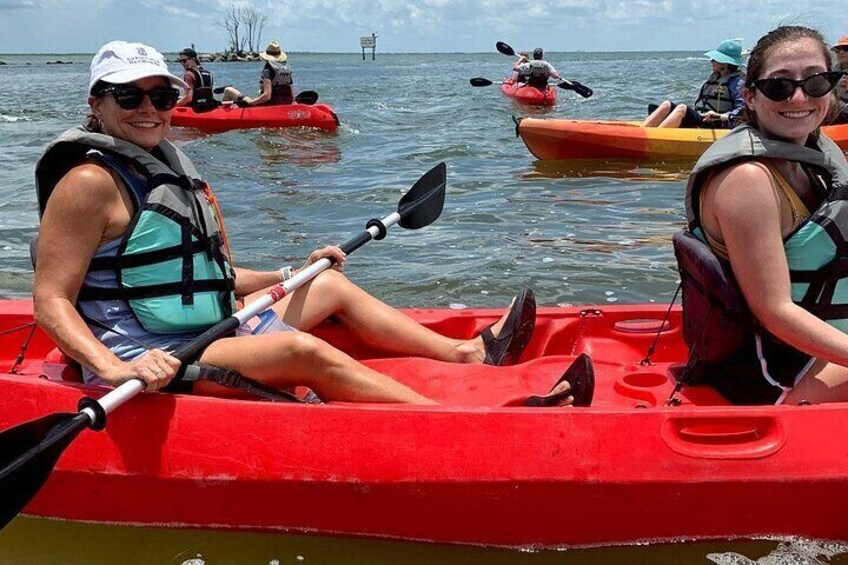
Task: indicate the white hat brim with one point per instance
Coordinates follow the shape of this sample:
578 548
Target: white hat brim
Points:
134 74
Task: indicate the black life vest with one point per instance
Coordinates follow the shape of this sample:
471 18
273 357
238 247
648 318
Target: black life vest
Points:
202 97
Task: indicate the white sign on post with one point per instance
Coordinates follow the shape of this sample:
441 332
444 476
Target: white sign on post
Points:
368 42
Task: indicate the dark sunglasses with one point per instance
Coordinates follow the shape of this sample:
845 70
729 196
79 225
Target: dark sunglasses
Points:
815 86
130 97
184 60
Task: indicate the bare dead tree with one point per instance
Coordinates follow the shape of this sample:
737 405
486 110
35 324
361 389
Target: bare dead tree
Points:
231 23
253 20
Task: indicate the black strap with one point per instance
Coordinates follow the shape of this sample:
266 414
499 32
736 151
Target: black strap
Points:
91 293
233 379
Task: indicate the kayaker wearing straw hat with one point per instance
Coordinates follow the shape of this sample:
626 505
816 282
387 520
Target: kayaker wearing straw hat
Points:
275 82
840 49
719 103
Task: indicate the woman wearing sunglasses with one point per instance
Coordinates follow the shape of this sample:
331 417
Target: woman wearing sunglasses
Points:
771 198
132 261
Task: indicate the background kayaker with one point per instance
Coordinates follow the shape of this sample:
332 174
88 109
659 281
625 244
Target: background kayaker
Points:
751 196
198 94
87 185
275 81
719 102
518 76
537 70
840 51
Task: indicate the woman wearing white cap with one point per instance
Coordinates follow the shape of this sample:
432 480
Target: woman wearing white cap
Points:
275 81
719 103
132 262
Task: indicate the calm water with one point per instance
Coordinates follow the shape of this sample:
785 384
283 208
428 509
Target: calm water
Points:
577 234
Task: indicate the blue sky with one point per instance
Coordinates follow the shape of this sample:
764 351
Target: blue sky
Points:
63 26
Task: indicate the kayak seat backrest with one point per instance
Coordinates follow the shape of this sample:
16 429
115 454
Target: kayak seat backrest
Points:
58 366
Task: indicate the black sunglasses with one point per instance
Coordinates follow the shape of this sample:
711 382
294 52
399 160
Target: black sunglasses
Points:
184 60
130 97
815 86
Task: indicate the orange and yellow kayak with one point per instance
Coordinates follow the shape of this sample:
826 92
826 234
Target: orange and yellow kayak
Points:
587 139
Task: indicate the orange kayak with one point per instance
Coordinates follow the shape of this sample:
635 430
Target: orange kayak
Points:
586 139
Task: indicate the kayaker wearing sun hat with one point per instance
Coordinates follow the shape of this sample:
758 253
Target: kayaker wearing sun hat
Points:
275 82
719 103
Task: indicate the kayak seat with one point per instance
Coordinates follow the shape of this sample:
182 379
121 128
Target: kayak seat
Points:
58 366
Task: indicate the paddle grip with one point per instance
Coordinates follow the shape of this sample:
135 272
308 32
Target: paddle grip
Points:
353 244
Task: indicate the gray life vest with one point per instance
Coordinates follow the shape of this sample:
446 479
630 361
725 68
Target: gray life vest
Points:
172 265
538 74
281 83
716 318
715 93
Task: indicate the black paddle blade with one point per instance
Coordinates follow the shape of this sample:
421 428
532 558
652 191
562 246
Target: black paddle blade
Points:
580 89
308 97
424 202
220 89
479 81
504 48
28 454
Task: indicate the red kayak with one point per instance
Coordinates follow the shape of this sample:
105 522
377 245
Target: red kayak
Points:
227 117
633 467
530 95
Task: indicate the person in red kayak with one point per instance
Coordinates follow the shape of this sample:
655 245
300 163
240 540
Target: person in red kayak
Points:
132 261
537 71
719 103
275 81
768 208
198 93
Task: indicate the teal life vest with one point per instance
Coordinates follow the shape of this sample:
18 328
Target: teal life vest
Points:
171 265
715 314
715 93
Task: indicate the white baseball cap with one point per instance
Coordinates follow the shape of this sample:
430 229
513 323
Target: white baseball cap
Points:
120 62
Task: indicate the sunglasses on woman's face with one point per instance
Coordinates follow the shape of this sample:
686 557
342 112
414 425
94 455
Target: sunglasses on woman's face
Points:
130 97
814 86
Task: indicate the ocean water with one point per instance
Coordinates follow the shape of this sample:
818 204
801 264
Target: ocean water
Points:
578 234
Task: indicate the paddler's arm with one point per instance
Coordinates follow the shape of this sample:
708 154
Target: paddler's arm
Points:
262 98
85 210
248 281
752 221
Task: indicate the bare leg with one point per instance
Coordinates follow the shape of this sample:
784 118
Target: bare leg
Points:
230 94
675 118
287 359
658 115
377 324
825 382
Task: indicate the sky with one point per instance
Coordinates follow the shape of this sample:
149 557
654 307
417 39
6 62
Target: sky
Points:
417 26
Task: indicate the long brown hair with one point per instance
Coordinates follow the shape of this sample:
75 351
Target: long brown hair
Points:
766 45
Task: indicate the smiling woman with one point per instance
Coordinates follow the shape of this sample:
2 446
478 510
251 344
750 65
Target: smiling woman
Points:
133 264
768 198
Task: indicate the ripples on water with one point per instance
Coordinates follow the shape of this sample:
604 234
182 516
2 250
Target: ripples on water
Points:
577 232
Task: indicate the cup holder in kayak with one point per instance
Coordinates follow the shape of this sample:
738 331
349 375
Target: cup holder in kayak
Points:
641 326
645 380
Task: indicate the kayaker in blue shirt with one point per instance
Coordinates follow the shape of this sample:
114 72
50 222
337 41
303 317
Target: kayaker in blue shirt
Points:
770 199
275 81
120 205
719 103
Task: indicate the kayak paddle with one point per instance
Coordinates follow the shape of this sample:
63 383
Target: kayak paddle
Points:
580 89
308 97
584 91
29 451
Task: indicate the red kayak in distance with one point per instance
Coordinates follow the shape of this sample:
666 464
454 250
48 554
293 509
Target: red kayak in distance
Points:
478 469
530 95
228 117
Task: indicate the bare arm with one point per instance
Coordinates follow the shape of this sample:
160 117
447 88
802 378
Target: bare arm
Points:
746 210
85 210
265 96
248 281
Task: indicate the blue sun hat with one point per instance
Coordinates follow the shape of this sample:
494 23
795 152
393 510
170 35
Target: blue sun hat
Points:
728 52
